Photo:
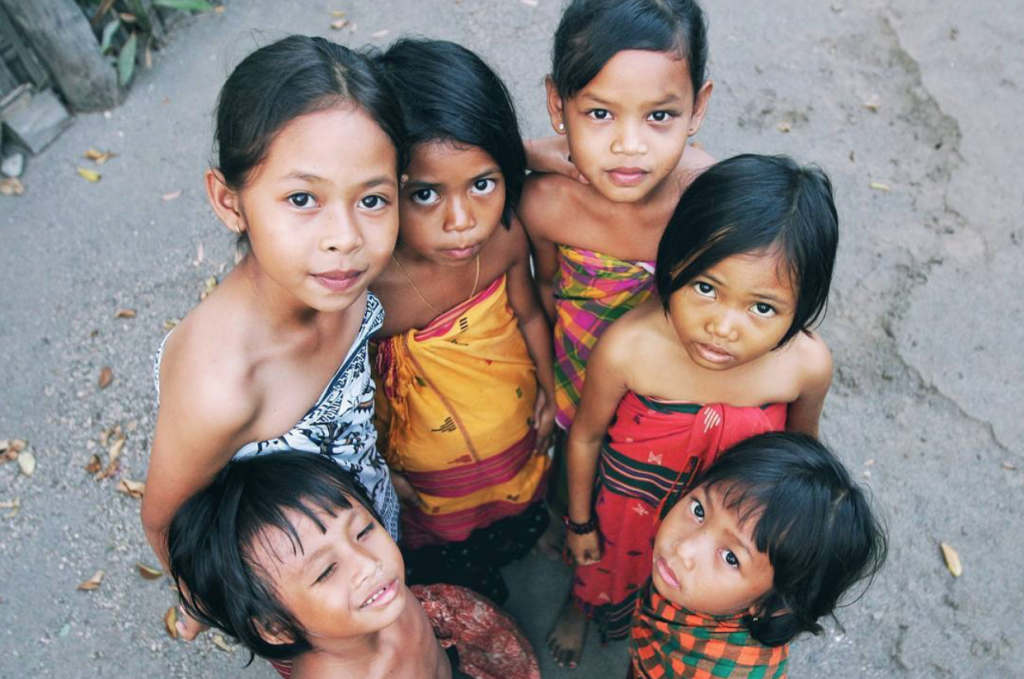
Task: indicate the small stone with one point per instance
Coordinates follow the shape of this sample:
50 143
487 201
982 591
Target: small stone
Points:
13 165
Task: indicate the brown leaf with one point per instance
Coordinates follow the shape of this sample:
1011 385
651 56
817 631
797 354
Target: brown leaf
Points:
338 14
220 642
125 313
94 465
14 505
170 620
872 103
89 175
105 435
148 572
1009 466
106 377
381 33
99 157
784 126
952 560
128 18
93 582
11 186
170 323
879 186
339 24
219 9
209 285
27 463
173 195
136 489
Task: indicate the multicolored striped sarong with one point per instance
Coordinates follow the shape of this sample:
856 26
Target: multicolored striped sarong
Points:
591 291
670 642
454 408
652 451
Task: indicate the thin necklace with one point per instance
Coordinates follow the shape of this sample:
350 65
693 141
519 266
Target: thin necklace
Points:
476 281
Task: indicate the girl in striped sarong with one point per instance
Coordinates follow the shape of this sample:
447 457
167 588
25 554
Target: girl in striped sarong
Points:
744 270
463 364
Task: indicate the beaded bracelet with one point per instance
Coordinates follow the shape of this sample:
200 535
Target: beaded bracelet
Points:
581 528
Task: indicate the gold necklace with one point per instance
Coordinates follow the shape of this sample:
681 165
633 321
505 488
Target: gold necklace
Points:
476 281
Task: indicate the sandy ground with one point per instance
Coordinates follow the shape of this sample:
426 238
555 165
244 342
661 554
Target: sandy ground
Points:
924 321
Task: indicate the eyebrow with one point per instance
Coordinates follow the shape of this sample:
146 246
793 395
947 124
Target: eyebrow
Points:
315 557
734 537
760 295
317 179
668 99
421 184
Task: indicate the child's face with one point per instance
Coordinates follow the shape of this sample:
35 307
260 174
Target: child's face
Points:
735 312
628 127
706 561
343 583
451 202
321 210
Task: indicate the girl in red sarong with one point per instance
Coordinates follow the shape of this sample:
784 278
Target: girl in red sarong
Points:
724 353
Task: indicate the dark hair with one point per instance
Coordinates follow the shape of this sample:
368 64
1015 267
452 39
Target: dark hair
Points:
289 78
449 94
591 32
753 203
211 538
814 523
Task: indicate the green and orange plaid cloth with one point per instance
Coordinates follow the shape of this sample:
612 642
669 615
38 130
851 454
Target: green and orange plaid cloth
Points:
591 291
670 642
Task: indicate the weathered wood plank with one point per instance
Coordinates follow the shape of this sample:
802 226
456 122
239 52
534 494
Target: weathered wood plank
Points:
24 65
36 124
60 35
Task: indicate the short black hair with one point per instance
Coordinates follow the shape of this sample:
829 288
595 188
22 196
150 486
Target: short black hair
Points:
289 78
814 523
751 203
591 32
212 536
449 94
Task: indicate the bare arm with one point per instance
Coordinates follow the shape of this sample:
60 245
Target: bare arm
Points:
816 377
533 324
551 155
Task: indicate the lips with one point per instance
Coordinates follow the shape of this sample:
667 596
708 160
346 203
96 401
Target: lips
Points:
666 572
339 280
463 253
713 354
382 596
627 176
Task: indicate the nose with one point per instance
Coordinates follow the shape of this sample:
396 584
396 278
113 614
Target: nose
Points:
460 215
687 549
629 140
365 565
341 232
723 325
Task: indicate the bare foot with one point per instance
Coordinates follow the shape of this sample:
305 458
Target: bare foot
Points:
552 542
567 636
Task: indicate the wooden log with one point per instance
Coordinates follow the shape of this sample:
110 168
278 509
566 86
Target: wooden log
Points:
60 35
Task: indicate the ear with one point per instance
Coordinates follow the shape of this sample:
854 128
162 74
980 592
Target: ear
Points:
700 107
225 201
555 109
273 636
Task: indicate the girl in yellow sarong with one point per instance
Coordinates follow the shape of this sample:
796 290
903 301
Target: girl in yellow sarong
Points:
465 382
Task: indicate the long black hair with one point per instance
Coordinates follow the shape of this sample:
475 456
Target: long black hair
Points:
814 523
449 94
752 203
212 536
591 32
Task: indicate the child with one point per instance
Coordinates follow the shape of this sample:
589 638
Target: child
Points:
283 552
767 544
723 353
465 405
309 138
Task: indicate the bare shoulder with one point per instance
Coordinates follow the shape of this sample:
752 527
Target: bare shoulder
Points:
512 242
813 360
547 202
631 335
694 161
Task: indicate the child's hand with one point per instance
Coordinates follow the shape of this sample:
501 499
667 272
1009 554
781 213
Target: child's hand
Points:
585 549
188 627
543 420
551 155
406 493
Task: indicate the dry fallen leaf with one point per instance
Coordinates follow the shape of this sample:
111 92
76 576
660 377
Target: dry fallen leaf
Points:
148 572
125 313
952 560
200 255
220 642
106 377
99 157
108 432
173 195
89 175
14 505
94 465
529 3
170 323
209 285
380 34
337 14
219 9
170 622
1009 466
27 463
879 186
784 126
93 582
11 186
339 24
136 489
872 103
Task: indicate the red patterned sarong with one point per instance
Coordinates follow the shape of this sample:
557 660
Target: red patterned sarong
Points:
652 450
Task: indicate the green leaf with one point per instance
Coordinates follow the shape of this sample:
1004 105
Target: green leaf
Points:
126 60
108 35
193 5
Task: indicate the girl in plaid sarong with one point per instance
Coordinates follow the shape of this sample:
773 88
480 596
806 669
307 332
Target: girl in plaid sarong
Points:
768 543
